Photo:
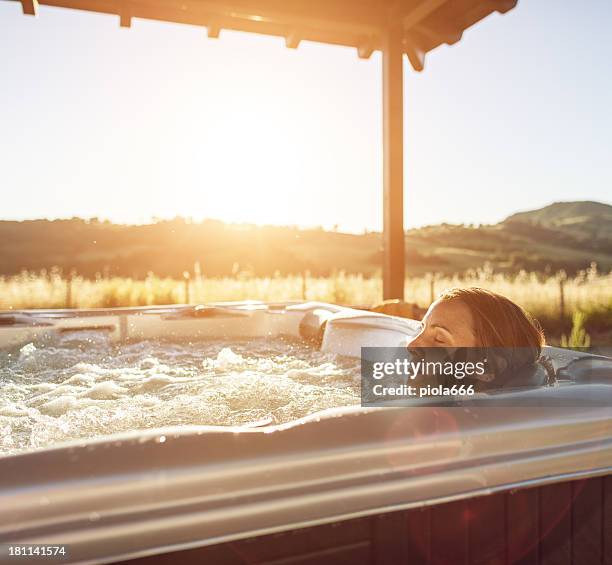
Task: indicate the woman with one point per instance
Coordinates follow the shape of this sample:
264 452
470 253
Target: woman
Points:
478 318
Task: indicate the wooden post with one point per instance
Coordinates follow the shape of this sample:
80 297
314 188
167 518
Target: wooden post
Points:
393 167
335 281
198 283
304 289
68 291
29 7
186 277
432 288
562 278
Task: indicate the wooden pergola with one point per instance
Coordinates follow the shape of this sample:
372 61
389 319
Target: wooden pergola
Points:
395 27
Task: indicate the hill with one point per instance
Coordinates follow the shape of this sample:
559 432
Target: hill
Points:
589 219
560 213
567 235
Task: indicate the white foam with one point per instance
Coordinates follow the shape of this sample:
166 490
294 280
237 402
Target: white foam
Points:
150 384
58 406
12 410
106 390
79 379
227 358
149 363
67 391
27 350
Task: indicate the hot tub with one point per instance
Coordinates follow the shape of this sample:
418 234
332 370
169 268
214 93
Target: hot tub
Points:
423 484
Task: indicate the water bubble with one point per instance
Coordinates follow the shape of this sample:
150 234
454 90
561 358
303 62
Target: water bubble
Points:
27 350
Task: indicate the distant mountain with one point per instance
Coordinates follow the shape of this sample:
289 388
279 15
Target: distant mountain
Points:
564 235
586 217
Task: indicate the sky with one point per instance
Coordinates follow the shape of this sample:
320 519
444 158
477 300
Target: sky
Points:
158 121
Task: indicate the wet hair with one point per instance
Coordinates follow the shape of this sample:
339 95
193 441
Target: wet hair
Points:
499 322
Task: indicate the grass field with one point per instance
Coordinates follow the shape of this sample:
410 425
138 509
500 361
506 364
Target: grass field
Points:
589 292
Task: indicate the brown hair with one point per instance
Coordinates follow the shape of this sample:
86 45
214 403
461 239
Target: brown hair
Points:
498 321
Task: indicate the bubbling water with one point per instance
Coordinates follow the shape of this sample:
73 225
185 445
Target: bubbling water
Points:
80 387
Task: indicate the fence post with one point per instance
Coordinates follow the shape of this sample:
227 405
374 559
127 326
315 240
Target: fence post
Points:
68 291
304 289
69 283
335 286
562 277
198 283
186 277
432 288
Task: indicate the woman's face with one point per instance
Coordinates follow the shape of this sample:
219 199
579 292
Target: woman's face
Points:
447 323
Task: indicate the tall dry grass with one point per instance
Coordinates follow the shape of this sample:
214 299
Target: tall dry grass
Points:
589 292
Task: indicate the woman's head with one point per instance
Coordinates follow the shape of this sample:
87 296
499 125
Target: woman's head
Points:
475 317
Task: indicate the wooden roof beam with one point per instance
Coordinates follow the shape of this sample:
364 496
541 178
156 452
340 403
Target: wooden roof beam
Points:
358 14
365 50
125 14
423 9
443 34
213 29
504 6
30 7
292 39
